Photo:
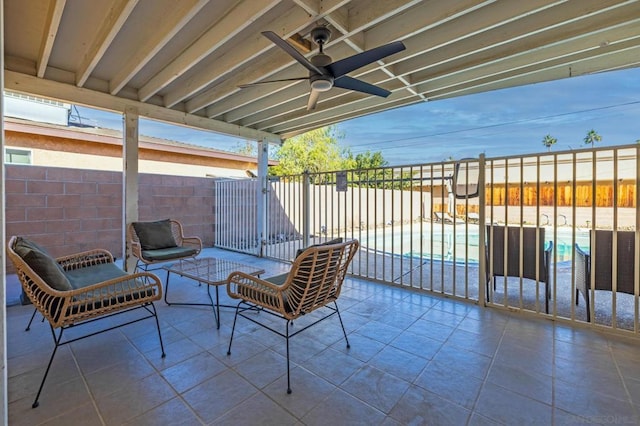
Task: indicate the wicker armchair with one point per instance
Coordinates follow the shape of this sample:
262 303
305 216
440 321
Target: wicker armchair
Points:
314 282
161 241
81 288
154 243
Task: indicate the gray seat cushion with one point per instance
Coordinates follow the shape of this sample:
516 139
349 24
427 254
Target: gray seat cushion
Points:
168 253
83 277
278 279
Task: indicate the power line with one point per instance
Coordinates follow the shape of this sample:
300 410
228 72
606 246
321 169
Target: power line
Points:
489 126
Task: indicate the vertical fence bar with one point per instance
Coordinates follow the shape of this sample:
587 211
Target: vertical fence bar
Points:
574 197
614 244
482 237
554 296
306 209
521 245
593 247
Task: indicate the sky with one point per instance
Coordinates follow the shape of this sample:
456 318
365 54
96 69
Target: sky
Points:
501 122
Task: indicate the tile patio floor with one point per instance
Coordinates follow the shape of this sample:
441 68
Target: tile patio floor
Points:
415 359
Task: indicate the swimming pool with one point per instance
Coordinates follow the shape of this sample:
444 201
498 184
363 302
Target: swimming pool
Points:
435 241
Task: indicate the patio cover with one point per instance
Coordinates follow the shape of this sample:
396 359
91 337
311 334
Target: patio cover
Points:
181 62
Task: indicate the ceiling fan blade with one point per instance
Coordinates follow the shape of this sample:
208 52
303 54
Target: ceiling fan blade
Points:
284 45
351 83
243 86
313 100
346 65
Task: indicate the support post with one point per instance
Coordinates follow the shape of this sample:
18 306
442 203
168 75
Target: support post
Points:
262 195
4 411
129 180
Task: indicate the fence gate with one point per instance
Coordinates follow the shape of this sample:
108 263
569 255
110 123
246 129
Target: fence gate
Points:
236 215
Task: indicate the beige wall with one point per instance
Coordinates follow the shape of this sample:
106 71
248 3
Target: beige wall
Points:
101 149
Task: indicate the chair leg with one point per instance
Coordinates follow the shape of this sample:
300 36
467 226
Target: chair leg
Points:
342 324
547 296
31 320
166 289
288 374
155 314
56 340
233 329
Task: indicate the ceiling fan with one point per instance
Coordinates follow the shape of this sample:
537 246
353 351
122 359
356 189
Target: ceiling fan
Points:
325 74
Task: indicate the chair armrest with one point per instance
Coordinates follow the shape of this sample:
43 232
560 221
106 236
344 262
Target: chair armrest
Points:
253 289
194 242
136 249
85 259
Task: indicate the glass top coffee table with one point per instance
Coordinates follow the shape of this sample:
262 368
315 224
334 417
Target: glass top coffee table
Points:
210 271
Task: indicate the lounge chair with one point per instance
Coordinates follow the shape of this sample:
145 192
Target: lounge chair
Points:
79 289
314 282
603 277
446 218
495 250
473 217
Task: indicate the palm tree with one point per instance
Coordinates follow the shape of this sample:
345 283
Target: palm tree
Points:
592 137
548 141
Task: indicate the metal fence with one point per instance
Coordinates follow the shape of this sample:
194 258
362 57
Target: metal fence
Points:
441 227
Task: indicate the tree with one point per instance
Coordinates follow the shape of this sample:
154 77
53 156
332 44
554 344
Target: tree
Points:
369 160
246 148
315 151
369 169
549 141
592 137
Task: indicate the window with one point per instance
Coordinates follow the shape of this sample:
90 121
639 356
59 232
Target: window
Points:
17 156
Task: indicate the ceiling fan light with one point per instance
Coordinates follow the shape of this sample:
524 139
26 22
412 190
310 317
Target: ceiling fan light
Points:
321 85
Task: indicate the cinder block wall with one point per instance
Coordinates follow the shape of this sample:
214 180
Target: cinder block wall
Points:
71 210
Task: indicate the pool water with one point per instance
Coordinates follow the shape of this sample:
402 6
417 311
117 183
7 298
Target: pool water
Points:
435 241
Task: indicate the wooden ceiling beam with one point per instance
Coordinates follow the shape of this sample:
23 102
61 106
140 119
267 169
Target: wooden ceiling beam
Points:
112 24
231 25
180 16
52 25
230 64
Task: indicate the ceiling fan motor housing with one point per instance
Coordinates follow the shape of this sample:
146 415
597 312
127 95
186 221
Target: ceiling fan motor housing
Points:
320 35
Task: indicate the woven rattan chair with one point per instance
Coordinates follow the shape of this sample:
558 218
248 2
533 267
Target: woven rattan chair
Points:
155 243
496 249
603 277
78 289
160 241
314 282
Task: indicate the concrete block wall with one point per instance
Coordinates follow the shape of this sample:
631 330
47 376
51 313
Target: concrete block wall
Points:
71 210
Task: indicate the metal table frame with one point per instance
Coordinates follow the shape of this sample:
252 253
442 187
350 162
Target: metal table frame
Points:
210 271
